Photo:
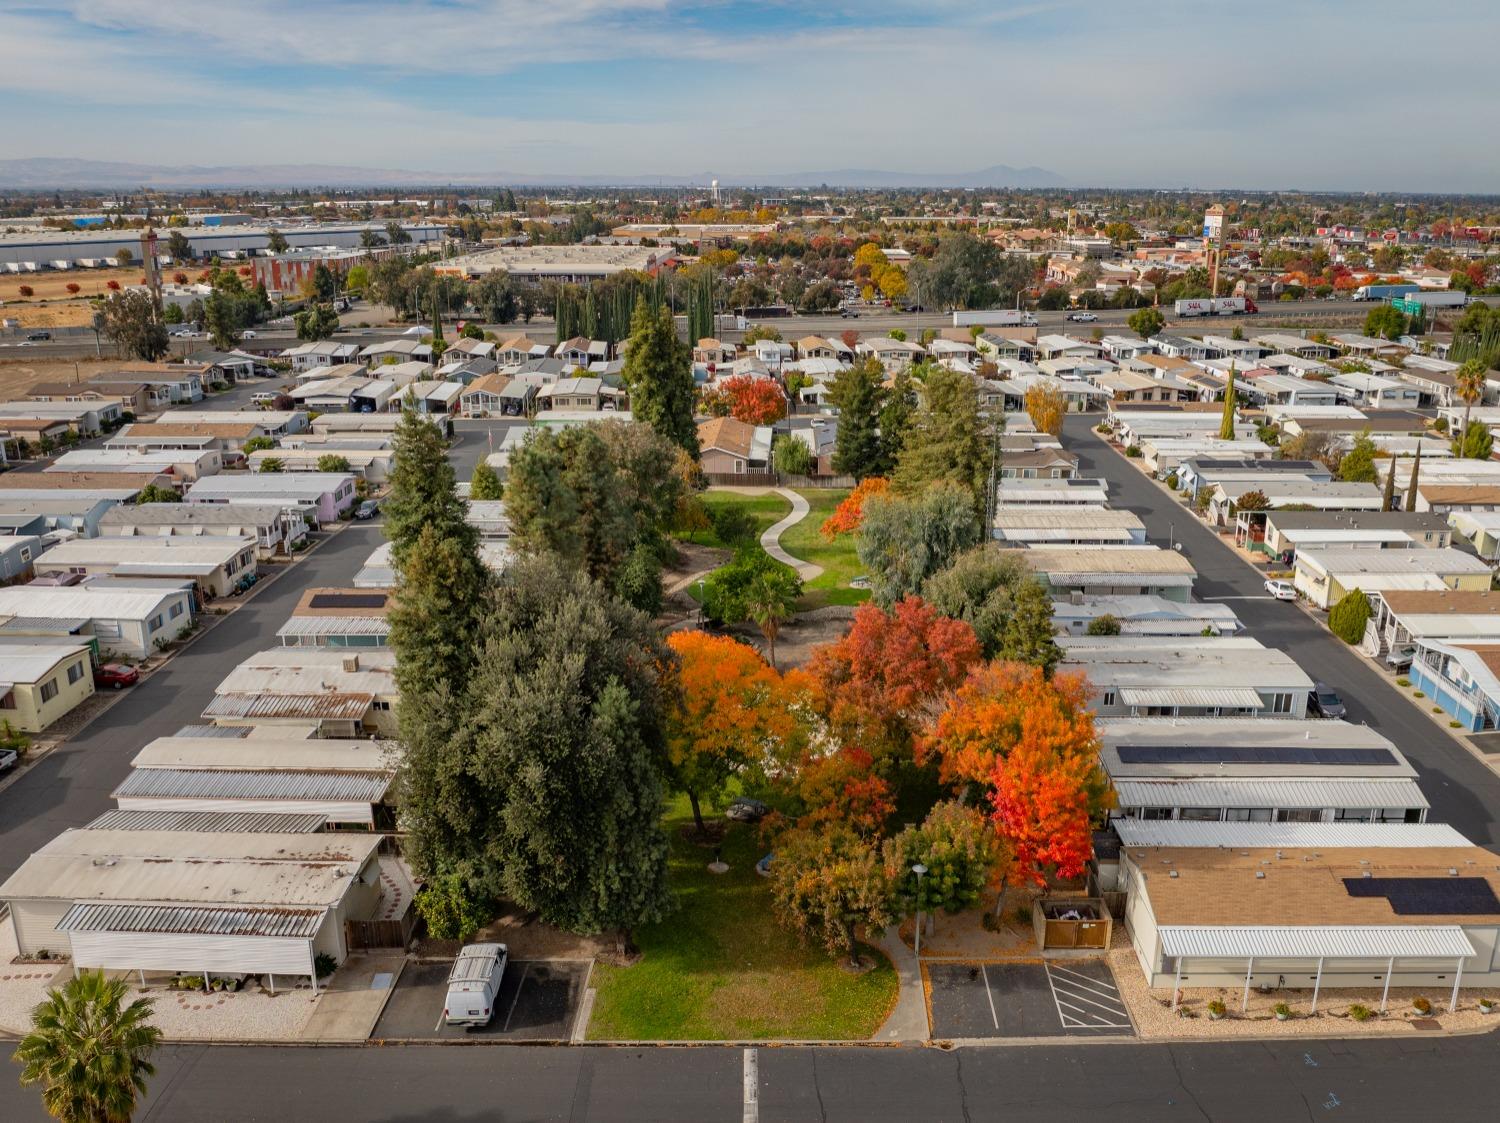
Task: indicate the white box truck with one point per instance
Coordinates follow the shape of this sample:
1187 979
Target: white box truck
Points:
995 318
473 984
1216 306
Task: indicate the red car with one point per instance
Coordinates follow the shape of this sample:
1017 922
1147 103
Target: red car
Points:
116 675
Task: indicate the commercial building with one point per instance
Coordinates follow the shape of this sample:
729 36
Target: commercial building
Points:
572 264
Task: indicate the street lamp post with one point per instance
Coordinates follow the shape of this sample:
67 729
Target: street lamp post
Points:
919 869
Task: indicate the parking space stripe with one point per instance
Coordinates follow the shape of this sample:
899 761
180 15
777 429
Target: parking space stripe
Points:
1113 1009
994 1017
1112 995
514 999
1098 1023
1082 978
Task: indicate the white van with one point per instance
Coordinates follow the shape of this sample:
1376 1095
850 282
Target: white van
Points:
473 984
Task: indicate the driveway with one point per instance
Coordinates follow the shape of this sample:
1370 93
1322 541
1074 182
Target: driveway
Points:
70 785
538 1001
987 1000
1463 792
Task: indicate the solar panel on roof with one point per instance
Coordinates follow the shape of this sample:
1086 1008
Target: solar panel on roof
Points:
1252 754
1429 896
347 600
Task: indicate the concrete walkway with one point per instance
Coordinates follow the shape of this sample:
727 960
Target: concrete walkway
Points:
349 1008
908 1021
770 541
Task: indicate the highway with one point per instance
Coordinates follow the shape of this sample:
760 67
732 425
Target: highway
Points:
874 320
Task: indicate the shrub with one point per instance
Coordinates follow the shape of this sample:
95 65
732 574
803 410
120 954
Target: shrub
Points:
1361 1013
733 525
1172 481
1282 1010
324 964
1422 1005
1418 694
1105 625
26 290
1455 725
1348 618
1133 451
1403 682
1217 1008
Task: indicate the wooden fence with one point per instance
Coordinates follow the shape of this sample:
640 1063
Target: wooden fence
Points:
381 933
775 479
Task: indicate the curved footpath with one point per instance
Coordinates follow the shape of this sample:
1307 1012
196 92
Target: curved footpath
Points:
770 540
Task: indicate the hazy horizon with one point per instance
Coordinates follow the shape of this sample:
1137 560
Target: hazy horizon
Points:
1337 97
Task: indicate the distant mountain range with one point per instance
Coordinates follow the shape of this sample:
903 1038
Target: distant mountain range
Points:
39 173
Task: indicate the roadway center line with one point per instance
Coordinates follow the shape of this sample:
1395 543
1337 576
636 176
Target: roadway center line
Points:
993 1016
752 1086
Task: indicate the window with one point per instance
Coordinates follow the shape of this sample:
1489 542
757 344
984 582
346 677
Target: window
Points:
1299 815
175 611
75 672
156 623
49 690
1108 699
9 701
1201 814
1281 703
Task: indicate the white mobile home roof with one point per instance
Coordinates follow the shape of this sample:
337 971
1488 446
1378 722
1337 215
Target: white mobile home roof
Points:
1327 942
1356 562
246 754
181 554
1187 832
1383 794
83 602
307 486
233 822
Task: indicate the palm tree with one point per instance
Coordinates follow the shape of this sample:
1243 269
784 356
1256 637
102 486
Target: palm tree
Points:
88 1052
1468 384
769 601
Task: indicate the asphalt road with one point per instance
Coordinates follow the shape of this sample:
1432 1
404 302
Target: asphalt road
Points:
70 785
1463 792
1402 1079
871 320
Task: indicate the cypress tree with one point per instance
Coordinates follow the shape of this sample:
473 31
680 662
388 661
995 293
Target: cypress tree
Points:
1411 488
1388 497
1226 425
859 393
659 374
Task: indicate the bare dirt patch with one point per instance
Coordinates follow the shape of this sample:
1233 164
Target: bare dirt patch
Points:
18 376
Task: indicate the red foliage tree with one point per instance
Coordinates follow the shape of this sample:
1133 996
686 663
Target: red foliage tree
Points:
26 290
74 288
850 338
1043 805
179 278
755 401
843 788
881 683
849 514
113 286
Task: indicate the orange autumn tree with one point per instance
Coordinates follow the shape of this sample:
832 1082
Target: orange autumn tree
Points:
880 684
849 514
729 714
1031 743
755 401
875 690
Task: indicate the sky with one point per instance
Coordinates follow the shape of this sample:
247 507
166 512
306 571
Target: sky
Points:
1313 94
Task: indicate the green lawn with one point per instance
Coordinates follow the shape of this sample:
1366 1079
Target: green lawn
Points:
802 541
720 968
837 558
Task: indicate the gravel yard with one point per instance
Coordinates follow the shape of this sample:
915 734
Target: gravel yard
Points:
1154 1019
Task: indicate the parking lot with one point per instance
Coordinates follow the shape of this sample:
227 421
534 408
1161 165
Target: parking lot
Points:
538 1001
1073 999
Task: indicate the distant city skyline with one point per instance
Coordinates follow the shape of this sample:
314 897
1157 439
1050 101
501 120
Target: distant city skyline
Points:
1334 96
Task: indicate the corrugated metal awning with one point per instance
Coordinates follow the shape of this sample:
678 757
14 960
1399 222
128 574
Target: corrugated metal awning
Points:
1233 697
299 924
1332 942
1382 794
221 783
221 822
347 706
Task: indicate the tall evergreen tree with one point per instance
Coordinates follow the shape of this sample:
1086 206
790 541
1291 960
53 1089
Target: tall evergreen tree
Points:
947 439
895 415
549 790
1028 635
1411 487
484 483
659 374
859 394
435 614
422 488
1388 497
1226 423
